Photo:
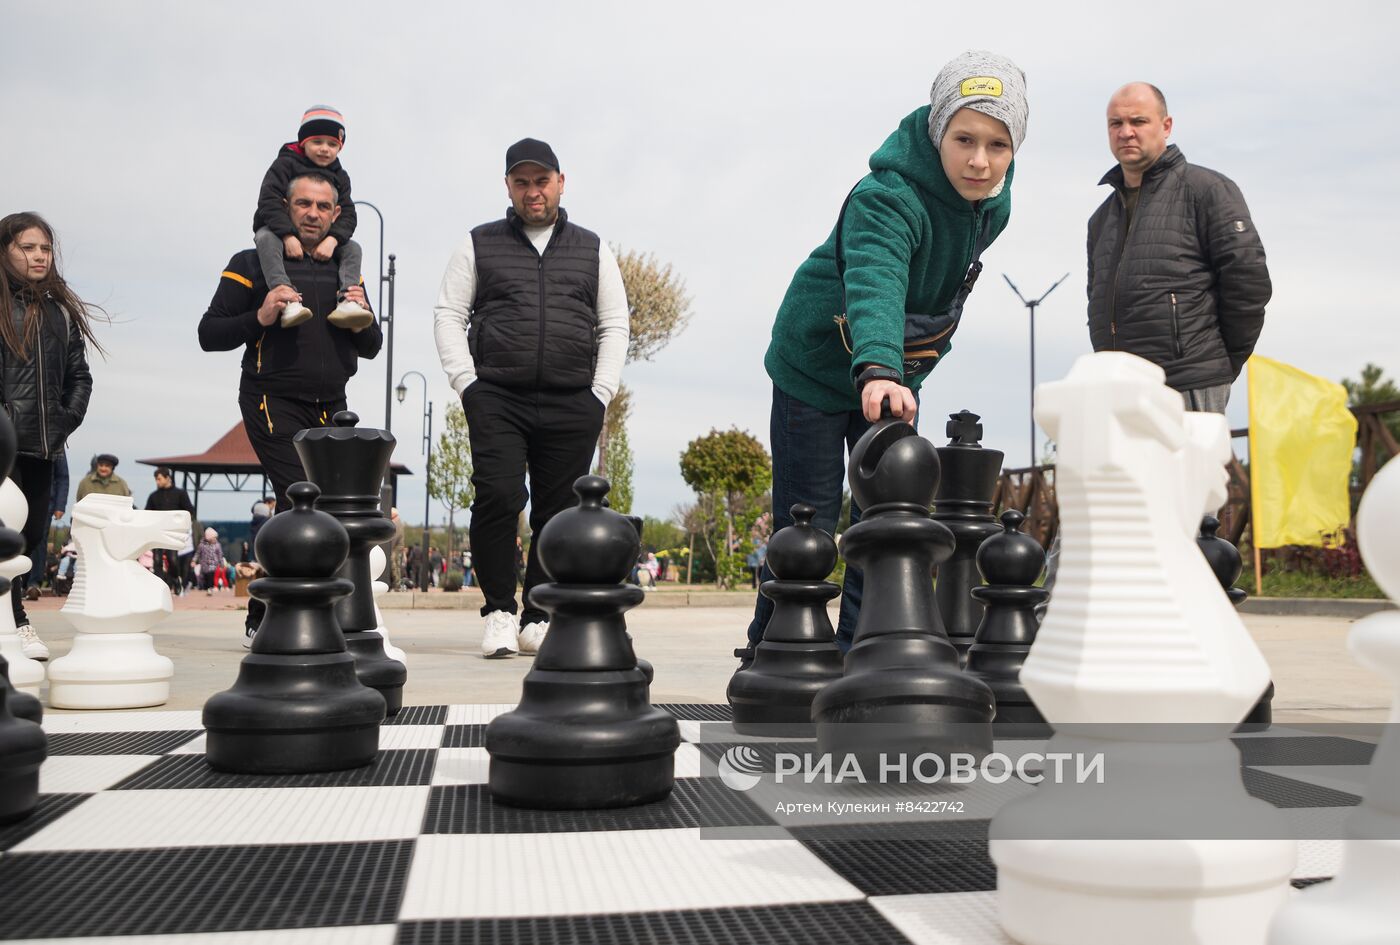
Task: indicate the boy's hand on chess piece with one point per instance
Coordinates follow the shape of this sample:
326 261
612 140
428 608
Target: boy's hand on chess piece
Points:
291 246
325 249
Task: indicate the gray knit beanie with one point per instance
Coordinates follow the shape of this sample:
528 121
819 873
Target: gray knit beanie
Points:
984 82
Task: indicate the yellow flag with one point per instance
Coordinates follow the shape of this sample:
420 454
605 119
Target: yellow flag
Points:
1301 440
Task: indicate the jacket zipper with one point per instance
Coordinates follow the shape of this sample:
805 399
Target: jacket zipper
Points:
1176 330
1122 246
539 348
39 357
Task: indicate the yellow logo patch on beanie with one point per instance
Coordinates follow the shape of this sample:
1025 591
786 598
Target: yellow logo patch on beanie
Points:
981 85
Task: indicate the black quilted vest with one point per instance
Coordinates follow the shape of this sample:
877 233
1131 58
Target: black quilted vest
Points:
535 318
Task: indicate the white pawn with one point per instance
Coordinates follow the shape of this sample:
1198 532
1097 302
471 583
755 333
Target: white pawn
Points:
377 567
1359 906
113 603
25 674
1139 630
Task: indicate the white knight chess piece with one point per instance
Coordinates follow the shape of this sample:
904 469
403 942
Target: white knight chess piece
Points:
1168 847
25 674
113 603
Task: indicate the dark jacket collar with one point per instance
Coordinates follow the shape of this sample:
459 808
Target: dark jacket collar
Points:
518 224
1170 158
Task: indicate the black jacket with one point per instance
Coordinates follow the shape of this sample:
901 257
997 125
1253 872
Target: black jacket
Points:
1183 285
272 210
534 318
173 499
46 393
311 362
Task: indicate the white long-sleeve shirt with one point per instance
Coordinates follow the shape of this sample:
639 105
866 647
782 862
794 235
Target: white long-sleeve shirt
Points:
457 297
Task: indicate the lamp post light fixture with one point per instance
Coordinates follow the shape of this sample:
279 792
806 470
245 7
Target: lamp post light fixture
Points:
401 391
386 315
1031 305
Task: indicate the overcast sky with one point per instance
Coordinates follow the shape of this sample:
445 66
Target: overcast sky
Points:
720 137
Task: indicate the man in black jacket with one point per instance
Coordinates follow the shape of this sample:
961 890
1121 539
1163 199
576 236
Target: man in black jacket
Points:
1176 270
292 378
531 326
168 497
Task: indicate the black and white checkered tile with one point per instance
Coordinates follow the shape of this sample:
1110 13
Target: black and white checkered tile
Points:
136 840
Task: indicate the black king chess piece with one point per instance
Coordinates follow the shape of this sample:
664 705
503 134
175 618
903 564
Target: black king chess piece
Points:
1224 560
23 744
964 503
1010 562
348 464
798 655
298 705
585 734
901 671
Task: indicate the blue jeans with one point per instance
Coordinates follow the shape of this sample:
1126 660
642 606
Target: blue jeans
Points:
809 466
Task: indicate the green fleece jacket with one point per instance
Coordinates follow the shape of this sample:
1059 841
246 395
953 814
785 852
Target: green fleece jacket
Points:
908 241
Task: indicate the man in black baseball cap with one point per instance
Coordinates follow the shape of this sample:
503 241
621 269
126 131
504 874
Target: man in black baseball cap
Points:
531 327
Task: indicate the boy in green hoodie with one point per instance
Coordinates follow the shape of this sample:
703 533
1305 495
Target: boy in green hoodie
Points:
873 309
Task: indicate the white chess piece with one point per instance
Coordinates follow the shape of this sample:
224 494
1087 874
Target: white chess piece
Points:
377 566
1139 631
113 603
25 674
1359 906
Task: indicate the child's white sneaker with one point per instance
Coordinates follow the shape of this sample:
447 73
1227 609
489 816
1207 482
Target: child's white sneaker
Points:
351 315
294 314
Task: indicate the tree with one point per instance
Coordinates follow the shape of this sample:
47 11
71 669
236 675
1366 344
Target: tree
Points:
730 472
618 472
450 475
1374 388
658 309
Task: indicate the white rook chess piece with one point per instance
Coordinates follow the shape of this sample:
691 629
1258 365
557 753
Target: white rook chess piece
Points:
1139 631
1359 906
25 674
113 603
377 565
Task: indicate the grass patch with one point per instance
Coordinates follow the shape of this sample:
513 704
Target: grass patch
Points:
1305 584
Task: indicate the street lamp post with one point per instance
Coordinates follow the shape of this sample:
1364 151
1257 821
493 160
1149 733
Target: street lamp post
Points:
386 315
402 391
1032 306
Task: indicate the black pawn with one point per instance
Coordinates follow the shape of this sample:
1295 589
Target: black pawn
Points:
964 503
1010 562
798 655
1224 560
23 744
585 734
298 705
901 669
348 464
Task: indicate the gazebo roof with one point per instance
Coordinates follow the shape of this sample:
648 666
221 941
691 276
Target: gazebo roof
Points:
231 453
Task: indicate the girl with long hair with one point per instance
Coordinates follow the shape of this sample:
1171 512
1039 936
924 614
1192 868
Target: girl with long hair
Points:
44 378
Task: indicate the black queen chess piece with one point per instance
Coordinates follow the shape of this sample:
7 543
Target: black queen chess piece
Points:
798 655
585 734
298 705
348 463
23 744
964 503
1225 563
1010 562
903 691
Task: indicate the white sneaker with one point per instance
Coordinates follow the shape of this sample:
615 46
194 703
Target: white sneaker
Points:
532 635
294 314
498 641
30 644
351 315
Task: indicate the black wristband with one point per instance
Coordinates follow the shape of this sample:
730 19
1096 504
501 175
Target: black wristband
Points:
877 372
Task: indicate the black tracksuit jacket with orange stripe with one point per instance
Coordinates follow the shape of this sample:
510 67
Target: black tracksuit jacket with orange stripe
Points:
310 362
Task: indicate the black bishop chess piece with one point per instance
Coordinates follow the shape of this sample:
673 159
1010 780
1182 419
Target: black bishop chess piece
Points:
903 691
298 705
348 464
964 503
23 744
1224 560
585 734
798 655
1010 562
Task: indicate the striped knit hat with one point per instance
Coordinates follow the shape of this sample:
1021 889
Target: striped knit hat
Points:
321 120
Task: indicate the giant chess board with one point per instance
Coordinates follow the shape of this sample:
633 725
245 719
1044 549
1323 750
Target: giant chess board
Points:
136 837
